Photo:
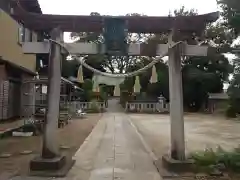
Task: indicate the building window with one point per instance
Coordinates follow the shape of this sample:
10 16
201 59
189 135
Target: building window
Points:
21 34
24 35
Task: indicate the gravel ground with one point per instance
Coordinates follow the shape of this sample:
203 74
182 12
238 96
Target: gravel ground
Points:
72 136
201 131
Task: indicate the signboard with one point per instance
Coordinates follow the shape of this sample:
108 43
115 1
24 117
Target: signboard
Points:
115 36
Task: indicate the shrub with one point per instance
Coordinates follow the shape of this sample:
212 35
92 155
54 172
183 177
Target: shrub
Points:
94 108
231 112
87 87
125 96
209 158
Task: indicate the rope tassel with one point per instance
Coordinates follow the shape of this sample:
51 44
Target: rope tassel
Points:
80 74
137 85
154 75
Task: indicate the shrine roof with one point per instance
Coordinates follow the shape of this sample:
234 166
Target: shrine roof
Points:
137 24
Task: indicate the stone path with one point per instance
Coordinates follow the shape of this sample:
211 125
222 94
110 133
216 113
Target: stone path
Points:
113 152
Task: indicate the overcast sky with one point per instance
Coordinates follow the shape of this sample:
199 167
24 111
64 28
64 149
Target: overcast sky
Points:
122 7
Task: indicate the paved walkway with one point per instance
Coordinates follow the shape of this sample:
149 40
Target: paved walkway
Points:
113 151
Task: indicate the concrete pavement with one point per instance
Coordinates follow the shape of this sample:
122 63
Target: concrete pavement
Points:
113 151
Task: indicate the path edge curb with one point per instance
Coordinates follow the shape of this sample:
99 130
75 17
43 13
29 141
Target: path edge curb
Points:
145 144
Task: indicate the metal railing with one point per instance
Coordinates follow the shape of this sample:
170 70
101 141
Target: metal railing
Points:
143 107
74 106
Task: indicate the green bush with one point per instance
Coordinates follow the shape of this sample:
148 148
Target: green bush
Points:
87 87
103 93
94 108
205 158
231 112
125 96
210 158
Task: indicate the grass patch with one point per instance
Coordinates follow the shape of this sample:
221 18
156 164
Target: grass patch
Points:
221 160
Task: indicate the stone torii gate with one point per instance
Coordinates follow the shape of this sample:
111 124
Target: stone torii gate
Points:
57 24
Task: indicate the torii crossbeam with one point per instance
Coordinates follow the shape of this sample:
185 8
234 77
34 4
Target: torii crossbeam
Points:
135 24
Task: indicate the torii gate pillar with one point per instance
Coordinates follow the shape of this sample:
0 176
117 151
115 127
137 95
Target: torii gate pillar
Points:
177 160
176 103
50 158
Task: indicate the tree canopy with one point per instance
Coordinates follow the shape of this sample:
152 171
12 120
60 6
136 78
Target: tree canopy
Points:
231 20
231 14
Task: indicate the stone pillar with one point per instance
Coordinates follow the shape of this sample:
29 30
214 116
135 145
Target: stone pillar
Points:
51 159
176 104
50 141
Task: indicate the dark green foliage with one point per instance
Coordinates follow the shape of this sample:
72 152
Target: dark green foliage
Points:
230 13
229 160
87 87
157 89
126 91
69 68
231 111
234 92
205 158
103 93
162 86
125 97
231 16
203 75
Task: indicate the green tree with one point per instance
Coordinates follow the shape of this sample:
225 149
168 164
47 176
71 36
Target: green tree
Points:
234 89
231 14
162 86
87 87
231 17
69 68
203 75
